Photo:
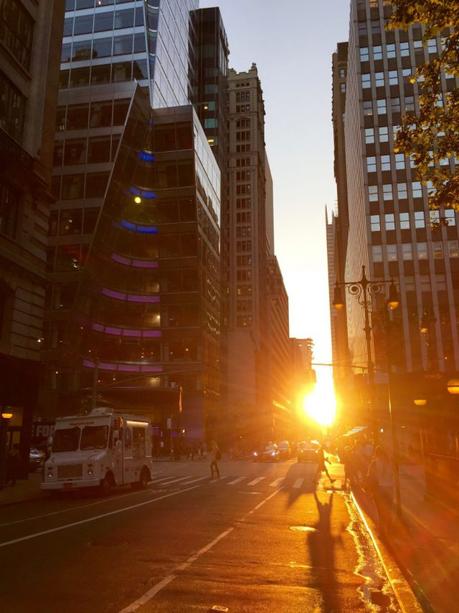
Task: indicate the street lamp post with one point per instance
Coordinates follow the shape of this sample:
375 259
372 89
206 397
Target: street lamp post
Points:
363 289
5 416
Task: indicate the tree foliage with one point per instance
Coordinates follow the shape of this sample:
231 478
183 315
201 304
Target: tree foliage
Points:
431 136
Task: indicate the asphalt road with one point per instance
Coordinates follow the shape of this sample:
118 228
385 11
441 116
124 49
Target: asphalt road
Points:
260 539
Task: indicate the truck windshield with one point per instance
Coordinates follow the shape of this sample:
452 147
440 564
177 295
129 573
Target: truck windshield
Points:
94 437
66 439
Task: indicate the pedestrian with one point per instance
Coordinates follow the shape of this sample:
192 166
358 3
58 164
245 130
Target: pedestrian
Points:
348 460
379 485
321 466
12 465
215 456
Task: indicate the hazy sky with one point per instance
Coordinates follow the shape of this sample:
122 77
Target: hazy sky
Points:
292 43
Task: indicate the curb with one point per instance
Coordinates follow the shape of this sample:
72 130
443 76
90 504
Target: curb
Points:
406 593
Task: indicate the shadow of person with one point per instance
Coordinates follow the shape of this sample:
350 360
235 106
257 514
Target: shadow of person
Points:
299 481
320 543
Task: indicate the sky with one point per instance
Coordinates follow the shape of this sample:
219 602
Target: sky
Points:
292 44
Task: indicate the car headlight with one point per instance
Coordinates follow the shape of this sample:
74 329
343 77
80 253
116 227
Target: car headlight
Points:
255 453
50 472
90 469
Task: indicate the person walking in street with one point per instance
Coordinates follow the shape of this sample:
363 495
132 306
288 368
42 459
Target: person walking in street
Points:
380 487
321 465
215 457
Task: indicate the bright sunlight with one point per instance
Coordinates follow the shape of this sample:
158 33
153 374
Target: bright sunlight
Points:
320 404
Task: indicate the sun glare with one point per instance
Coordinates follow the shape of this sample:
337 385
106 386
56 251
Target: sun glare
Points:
320 404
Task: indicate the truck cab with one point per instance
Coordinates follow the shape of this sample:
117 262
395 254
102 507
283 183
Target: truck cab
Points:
102 449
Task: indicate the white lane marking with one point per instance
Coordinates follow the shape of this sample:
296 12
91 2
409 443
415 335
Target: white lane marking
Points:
218 480
148 595
152 592
96 517
257 480
77 507
298 483
238 480
276 482
170 481
196 480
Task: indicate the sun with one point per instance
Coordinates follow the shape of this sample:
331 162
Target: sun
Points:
320 404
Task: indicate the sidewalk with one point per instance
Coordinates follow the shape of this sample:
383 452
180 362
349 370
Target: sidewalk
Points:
25 489
424 541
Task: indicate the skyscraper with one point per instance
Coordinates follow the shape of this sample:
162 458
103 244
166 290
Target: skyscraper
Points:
392 229
107 50
30 36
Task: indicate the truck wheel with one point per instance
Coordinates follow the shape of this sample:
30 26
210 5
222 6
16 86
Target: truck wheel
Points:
144 478
106 485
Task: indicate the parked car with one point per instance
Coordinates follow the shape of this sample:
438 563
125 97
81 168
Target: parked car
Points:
285 451
306 452
36 458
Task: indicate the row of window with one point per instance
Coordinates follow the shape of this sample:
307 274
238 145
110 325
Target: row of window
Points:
103 47
380 106
390 49
405 220
72 5
103 21
12 108
379 78
406 251
104 73
385 192
9 210
94 115
16 31
385 162
76 187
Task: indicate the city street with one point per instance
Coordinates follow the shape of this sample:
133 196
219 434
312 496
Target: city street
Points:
258 539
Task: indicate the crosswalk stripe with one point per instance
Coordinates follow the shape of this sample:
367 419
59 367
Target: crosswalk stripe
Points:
298 483
176 480
257 480
238 480
276 482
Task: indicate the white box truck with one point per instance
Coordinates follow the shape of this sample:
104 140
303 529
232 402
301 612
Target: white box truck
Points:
103 449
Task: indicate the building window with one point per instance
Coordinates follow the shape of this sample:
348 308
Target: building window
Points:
389 221
12 108
407 251
419 219
364 57
421 249
391 251
395 105
437 248
409 103
375 223
450 217
376 252
373 193
404 221
371 164
385 162
9 208
402 191
243 96
393 77
342 87
377 51
244 260
245 135
404 49
342 73
383 134
367 108
381 106
366 81
453 249
387 191
432 46
369 136
399 161
16 31
390 50
416 188
379 79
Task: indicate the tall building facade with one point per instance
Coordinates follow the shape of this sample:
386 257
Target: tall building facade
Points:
392 230
30 35
149 304
107 50
338 227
